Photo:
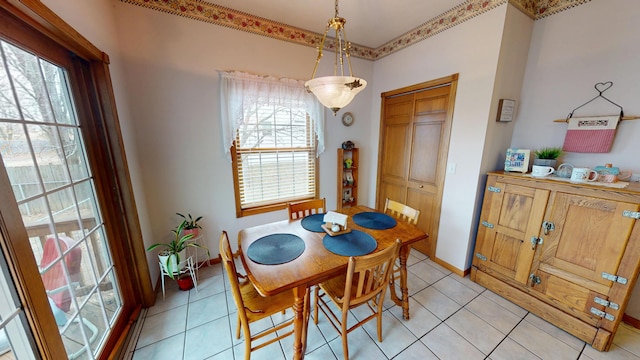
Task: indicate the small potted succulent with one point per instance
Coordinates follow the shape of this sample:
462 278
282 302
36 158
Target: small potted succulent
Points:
172 256
547 156
191 225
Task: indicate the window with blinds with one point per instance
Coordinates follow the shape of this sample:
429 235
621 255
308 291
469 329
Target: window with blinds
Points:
274 157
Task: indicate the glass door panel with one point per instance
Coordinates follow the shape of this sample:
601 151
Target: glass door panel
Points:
43 152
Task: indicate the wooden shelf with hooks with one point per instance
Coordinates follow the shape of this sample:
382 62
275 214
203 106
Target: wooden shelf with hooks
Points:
622 118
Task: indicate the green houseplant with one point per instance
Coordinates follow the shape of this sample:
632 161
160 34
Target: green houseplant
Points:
191 225
173 252
547 156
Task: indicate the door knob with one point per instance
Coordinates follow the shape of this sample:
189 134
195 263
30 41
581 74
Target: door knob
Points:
421 186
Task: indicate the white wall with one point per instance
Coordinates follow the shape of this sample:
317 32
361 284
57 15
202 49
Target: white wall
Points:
470 49
95 20
569 53
508 83
171 66
514 49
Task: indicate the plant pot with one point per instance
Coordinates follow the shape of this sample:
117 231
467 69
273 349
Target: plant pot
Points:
185 282
546 162
195 232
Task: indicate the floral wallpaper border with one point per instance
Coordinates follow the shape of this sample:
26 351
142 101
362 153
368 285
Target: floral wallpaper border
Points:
215 14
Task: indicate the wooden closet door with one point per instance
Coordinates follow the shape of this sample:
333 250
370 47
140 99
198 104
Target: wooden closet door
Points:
415 129
396 140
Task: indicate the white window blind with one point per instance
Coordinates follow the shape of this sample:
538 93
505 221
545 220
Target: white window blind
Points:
275 156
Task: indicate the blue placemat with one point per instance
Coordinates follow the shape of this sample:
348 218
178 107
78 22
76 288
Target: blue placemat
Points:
374 220
276 249
313 222
354 243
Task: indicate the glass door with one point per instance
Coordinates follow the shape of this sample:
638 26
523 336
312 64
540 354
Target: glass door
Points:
43 152
15 338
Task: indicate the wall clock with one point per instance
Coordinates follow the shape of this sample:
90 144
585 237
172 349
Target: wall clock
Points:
347 119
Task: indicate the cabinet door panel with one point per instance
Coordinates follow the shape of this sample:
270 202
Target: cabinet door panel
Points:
570 297
504 239
603 234
573 268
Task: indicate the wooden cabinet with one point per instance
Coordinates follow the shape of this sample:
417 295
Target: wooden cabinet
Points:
568 253
348 162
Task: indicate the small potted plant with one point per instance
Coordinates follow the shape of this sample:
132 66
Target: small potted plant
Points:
172 256
191 225
547 156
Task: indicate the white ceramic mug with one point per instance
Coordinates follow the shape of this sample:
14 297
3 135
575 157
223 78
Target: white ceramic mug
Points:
583 174
540 170
564 170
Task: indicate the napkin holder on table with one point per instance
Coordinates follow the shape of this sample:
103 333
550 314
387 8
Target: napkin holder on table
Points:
335 221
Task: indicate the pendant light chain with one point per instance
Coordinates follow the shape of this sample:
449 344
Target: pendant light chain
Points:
338 90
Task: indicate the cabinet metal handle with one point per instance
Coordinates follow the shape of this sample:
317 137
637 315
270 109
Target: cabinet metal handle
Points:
535 280
535 241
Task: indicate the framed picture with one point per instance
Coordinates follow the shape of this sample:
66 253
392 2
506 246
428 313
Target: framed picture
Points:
517 160
506 110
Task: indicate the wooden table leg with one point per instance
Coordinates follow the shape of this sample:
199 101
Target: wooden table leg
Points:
300 309
404 301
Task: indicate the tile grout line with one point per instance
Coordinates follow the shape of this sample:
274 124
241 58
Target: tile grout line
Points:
507 336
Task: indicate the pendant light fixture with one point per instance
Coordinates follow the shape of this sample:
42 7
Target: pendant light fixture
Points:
337 91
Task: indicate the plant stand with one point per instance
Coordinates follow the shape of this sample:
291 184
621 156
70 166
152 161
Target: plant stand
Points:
187 268
198 238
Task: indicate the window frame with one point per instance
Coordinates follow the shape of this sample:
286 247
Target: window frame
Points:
282 203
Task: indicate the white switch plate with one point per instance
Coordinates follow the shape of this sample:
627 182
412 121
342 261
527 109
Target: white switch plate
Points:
451 168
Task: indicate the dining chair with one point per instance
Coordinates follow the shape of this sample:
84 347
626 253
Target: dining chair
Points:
402 212
252 306
300 209
365 282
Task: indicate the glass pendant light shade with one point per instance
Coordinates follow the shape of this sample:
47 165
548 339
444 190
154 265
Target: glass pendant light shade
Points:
335 92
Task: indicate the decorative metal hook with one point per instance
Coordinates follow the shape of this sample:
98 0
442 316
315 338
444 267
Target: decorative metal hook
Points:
600 87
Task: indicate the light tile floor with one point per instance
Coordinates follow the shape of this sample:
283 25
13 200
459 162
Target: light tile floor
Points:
451 318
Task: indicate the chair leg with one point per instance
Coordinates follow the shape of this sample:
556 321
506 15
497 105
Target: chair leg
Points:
392 286
345 343
247 346
315 305
379 315
379 320
238 328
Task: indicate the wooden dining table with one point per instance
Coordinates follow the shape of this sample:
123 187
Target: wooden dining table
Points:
317 264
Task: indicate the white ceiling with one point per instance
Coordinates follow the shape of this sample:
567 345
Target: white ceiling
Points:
371 23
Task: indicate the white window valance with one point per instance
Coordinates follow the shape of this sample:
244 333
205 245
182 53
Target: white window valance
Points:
240 91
